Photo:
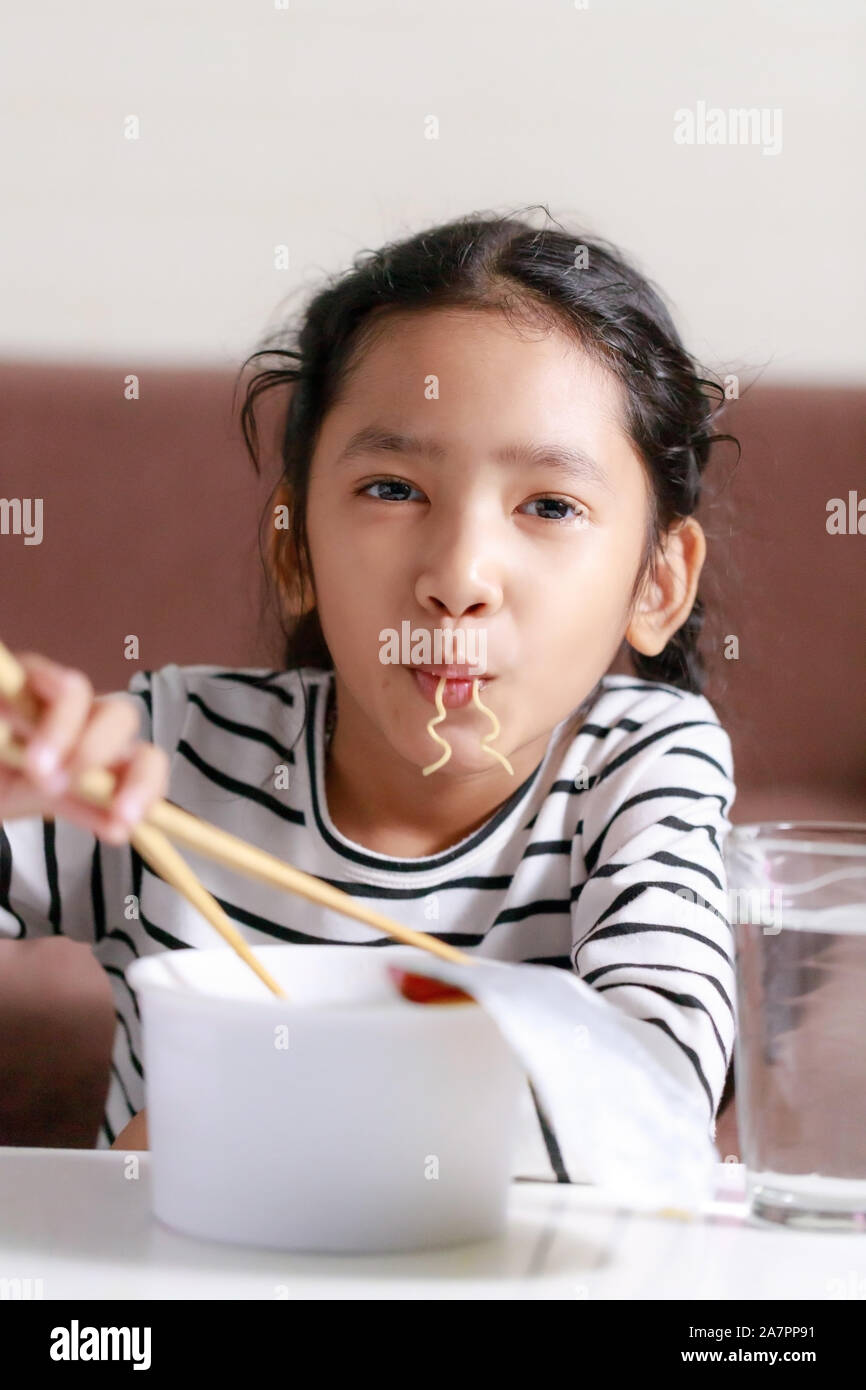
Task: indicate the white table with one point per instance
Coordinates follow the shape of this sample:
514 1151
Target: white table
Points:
70 1218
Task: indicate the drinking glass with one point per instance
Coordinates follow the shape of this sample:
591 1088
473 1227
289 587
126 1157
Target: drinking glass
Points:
797 899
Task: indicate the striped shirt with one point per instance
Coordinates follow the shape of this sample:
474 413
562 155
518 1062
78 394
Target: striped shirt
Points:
606 860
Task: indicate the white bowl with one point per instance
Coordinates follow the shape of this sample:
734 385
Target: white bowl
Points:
343 1119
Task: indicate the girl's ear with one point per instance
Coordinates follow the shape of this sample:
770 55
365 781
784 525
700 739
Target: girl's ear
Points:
284 561
667 599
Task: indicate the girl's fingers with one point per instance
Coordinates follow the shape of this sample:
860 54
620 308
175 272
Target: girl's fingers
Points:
140 782
108 737
18 796
93 818
75 730
143 781
101 823
67 697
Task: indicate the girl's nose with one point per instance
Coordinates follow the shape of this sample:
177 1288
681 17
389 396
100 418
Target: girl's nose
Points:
461 572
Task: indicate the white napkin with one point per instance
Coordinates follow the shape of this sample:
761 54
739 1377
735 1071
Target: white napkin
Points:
616 1111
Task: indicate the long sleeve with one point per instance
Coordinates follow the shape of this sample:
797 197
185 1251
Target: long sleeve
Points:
650 926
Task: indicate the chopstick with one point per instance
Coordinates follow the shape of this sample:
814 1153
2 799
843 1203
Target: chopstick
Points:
151 843
97 785
230 850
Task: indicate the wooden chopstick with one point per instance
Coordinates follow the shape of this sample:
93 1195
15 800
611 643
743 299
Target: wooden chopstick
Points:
162 856
151 843
237 854
97 785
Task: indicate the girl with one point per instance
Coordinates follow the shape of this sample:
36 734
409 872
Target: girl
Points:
492 432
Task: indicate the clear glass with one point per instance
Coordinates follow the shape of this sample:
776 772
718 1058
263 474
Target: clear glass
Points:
797 899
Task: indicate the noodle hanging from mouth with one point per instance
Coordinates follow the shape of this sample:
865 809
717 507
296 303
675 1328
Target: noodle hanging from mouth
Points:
494 732
486 740
437 719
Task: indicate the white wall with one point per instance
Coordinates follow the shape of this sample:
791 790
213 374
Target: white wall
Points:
305 126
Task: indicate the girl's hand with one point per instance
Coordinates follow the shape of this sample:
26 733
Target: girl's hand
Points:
134 1136
74 731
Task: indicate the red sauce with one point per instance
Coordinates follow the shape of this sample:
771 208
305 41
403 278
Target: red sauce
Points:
422 990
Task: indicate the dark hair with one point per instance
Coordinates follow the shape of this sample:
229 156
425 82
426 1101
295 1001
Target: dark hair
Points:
579 284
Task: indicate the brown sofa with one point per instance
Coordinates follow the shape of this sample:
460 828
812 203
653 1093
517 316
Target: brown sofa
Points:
150 512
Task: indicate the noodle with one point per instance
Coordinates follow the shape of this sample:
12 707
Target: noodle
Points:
437 719
494 733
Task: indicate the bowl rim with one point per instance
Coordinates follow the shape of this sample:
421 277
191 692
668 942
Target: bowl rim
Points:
350 1009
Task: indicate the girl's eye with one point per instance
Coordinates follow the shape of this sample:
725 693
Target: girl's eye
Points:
387 483
397 491
562 504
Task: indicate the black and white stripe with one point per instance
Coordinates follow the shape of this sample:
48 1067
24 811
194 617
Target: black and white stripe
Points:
621 880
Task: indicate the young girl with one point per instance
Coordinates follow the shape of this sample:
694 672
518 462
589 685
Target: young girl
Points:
492 432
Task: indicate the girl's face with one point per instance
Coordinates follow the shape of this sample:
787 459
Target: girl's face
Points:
469 516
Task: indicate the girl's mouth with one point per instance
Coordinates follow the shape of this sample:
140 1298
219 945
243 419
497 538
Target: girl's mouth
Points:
456 692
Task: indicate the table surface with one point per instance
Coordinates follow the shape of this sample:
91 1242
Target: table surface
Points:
72 1219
